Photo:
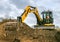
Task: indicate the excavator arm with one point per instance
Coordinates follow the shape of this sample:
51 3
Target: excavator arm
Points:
28 10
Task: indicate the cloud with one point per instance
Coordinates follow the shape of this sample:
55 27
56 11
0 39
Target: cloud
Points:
20 3
14 8
31 20
9 10
52 5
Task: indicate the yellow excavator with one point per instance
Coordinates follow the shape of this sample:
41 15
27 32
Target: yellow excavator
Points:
46 22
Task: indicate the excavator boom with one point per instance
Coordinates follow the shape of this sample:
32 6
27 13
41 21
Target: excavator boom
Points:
30 9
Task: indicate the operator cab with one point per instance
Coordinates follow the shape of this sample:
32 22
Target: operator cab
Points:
47 17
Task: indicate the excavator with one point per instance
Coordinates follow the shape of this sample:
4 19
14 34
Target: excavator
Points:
46 22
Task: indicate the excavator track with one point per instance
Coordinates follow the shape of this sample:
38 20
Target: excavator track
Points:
45 27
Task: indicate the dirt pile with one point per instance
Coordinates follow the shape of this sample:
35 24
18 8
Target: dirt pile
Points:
36 35
28 34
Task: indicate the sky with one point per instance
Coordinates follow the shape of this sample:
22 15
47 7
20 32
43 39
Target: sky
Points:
14 8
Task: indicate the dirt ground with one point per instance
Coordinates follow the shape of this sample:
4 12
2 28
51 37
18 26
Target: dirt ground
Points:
27 34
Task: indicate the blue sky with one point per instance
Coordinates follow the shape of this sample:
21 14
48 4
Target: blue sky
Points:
14 8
